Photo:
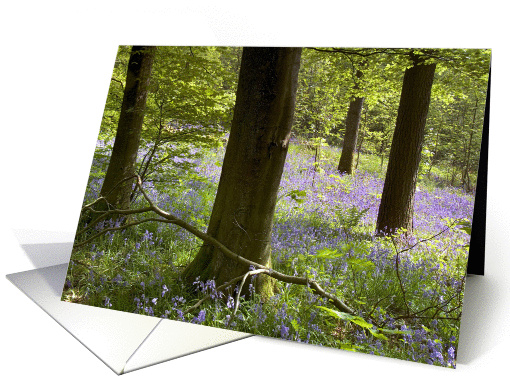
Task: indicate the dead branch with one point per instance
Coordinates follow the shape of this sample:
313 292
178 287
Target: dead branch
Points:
250 273
171 219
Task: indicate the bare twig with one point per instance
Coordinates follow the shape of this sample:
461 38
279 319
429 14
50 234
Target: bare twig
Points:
377 303
120 228
397 261
120 82
363 52
438 307
429 238
250 273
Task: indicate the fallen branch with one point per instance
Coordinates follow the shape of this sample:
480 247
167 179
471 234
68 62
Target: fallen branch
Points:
171 219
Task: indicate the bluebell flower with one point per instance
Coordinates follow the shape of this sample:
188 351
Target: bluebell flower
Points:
201 316
451 354
284 331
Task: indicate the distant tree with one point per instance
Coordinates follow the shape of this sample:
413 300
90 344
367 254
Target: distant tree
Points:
242 215
129 130
396 208
351 130
360 74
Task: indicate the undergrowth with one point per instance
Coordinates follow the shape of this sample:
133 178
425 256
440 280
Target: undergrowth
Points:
406 290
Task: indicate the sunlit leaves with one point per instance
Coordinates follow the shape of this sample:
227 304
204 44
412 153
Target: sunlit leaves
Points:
359 321
297 195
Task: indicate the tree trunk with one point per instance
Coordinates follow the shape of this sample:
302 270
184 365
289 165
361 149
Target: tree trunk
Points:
242 215
129 130
436 144
468 156
351 131
360 144
396 208
381 153
351 135
465 177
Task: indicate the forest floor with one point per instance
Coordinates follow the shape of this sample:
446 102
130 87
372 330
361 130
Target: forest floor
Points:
407 291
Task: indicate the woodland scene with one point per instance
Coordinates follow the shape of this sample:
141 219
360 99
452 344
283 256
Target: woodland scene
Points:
320 195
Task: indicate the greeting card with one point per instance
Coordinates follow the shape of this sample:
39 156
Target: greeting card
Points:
317 195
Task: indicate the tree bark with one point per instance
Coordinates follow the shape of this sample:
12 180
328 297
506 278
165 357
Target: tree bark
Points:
360 143
242 215
468 155
351 135
129 130
351 131
397 201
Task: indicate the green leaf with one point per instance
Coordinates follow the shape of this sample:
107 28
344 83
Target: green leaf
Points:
355 320
349 347
376 334
295 325
327 253
360 264
395 331
466 229
465 225
361 322
297 195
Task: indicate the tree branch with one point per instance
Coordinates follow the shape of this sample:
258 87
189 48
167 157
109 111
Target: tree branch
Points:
168 218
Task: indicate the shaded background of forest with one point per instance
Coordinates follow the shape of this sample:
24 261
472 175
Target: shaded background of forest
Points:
196 86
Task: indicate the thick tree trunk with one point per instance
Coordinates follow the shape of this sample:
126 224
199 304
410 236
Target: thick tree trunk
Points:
396 209
129 130
351 135
242 215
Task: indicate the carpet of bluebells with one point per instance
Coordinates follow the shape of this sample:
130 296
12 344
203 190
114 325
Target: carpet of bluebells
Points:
407 301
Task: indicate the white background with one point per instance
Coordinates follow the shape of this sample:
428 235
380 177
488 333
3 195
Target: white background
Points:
56 59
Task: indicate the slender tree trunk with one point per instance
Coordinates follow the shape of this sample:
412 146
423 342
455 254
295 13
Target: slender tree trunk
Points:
465 174
436 144
129 130
454 175
396 209
242 215
468 156
360 144
351 131
351 135
381 153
